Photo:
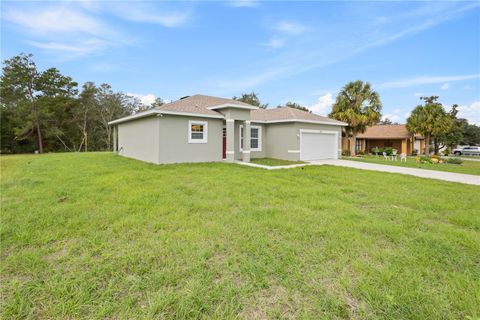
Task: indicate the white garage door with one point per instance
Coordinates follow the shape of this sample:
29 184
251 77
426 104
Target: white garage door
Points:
317 145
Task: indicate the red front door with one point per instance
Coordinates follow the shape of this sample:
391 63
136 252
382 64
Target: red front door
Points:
224 154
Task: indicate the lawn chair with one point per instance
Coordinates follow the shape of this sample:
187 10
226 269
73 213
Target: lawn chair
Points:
394 155
403 157
385 155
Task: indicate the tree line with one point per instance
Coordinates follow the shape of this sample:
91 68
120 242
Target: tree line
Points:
46 111
360 106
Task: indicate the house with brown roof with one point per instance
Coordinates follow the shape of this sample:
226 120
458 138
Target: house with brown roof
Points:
392 135
203 128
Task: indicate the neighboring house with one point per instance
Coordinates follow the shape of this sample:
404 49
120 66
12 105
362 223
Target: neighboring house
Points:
391 135
202 128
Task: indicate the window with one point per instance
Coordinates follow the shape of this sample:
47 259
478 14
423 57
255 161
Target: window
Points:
358 145
197 131
255 138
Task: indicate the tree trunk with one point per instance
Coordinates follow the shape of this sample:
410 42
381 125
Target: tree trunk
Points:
109 138
427 145
353 140
40 139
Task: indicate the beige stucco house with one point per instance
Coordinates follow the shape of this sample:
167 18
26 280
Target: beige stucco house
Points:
202 128
392 135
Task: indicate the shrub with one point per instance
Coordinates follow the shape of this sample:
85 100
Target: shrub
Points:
454 161
424 159
360 153
414 152
388 150
346 153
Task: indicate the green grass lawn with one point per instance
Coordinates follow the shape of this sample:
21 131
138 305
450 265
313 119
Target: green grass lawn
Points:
468 167
274 162
100 236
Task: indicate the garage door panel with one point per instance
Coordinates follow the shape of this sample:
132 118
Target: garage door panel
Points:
318 146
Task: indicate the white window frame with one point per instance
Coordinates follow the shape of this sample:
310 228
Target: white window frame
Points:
259 138
205 131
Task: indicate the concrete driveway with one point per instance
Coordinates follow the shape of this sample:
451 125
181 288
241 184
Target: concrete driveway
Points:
422 173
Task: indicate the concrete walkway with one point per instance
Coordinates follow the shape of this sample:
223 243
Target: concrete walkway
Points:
469 159
422 173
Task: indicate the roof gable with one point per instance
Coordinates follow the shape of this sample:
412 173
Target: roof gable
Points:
200 104
392 131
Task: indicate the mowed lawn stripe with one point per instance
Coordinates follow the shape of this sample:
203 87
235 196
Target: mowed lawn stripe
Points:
97 235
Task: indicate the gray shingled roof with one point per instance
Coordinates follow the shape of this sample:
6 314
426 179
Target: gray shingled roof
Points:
286 113
199 104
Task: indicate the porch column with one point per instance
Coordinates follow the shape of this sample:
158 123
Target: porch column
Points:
363 145
404 146
230 153
422 147
114 138
246 141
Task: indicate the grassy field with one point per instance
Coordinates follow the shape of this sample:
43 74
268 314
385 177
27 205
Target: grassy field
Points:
100 236
274 162
468 167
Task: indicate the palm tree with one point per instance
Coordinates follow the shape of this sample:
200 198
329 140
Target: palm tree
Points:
430 120
359 106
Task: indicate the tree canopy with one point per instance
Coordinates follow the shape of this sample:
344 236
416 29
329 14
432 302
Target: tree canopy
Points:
430 119
295 105
359 106
252 99
471 135
44 110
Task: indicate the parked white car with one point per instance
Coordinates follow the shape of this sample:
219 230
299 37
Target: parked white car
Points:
467 151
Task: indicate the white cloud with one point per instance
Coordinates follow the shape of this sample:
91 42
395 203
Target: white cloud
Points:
324 104
467 87
445 86
470 112
69 30
243 3
146 99
392 117
66 32
55 20
418 94
291 28
169 20
417 81
72 50
275 43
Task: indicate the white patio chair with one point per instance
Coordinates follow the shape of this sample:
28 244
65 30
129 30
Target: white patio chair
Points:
385 157
403 157
394 155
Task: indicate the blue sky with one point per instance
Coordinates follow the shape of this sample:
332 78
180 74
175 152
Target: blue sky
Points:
285 51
